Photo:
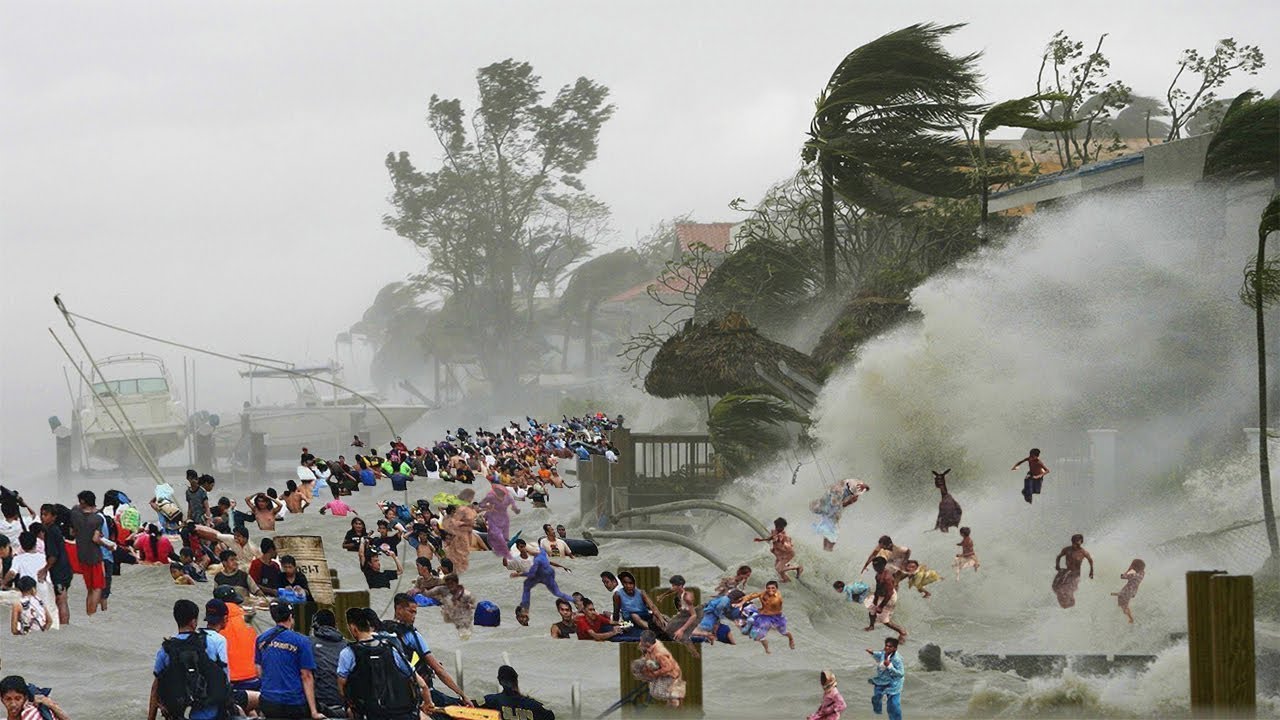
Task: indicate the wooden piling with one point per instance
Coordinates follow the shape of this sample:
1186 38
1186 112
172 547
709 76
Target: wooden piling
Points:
1200 640
343 599
1234 681
690 672
648 577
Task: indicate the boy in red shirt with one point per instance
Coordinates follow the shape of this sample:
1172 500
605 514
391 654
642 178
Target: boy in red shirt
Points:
1036 471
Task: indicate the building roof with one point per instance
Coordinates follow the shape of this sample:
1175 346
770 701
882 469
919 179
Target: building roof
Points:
716 236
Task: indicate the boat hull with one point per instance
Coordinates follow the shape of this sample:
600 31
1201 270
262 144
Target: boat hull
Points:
324 430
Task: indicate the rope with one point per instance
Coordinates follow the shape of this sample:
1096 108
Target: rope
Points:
224 356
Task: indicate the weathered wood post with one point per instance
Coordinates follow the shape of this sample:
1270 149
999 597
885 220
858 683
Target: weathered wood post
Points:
1234 680
343 599
1200 640
649 578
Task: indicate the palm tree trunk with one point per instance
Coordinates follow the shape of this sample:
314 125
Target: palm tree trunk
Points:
588 349
1264 470
828 227
986 189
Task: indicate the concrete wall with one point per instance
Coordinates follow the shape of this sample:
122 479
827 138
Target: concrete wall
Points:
1179 163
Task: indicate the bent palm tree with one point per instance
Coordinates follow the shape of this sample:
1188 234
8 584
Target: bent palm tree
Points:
1020 113
878 126
1262 288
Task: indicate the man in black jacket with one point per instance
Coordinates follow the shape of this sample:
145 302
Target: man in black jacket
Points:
327 643
511 702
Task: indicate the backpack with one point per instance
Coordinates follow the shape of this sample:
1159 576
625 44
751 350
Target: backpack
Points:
375 685
130 519
191 679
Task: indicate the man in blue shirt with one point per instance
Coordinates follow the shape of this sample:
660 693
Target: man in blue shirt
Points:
285 661
186 614
888 679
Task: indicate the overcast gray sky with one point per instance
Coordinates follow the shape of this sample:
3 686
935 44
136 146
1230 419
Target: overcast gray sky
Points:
213 171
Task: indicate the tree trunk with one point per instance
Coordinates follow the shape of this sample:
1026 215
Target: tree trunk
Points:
1264 470
986 185
828 227
588 348
564 345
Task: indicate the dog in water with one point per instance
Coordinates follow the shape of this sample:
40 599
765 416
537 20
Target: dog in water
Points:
948 508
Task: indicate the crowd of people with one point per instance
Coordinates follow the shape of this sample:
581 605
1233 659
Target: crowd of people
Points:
387 670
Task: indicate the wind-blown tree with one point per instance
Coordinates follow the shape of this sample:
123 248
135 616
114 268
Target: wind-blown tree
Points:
1020 113
1066 71
1262 288
1244 147
749 426
1212 72
878 128
591 283
472 214
572 226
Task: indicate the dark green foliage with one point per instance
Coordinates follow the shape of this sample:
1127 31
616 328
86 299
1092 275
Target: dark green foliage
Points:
764 279
861 319
748 426
877 134
1247 144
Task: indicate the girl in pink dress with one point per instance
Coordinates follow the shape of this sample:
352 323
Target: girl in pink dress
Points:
495 506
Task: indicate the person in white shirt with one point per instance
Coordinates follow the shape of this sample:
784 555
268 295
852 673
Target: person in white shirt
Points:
31 563
554 546
16 518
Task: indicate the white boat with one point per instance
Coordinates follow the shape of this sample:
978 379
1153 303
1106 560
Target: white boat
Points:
323 425
140 385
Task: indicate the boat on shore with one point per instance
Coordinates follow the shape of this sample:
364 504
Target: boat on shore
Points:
323 424
140 386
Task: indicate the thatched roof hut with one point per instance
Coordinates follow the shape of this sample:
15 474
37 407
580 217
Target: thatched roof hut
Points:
717 358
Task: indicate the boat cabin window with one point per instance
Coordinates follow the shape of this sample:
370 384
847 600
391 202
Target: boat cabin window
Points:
132 387
152 385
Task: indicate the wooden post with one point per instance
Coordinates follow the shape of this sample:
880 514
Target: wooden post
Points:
1200 640
343 599
690 672
648 577
1234 681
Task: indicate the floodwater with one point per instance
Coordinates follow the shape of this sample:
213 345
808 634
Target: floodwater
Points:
1121 313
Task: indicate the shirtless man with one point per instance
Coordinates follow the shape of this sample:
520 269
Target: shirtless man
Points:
1067 580
1036 471
884 600
896 555
737 582
265 508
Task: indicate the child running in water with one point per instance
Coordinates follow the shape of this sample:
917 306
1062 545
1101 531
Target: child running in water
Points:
1036 471
1133 578
783 551
770 616
918 576
967 557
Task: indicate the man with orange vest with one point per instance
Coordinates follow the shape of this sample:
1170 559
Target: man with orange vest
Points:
241 639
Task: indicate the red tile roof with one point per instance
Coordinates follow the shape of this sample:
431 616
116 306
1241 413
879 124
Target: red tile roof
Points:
714 235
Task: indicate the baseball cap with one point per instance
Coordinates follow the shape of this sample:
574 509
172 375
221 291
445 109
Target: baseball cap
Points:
215 609
226 594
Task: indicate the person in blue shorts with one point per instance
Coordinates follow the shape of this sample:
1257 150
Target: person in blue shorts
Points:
711 628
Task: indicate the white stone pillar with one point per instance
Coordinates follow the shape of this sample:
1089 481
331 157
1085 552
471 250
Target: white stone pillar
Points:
1102 454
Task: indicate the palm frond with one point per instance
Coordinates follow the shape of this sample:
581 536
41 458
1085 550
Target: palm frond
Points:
746 427
1024 113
